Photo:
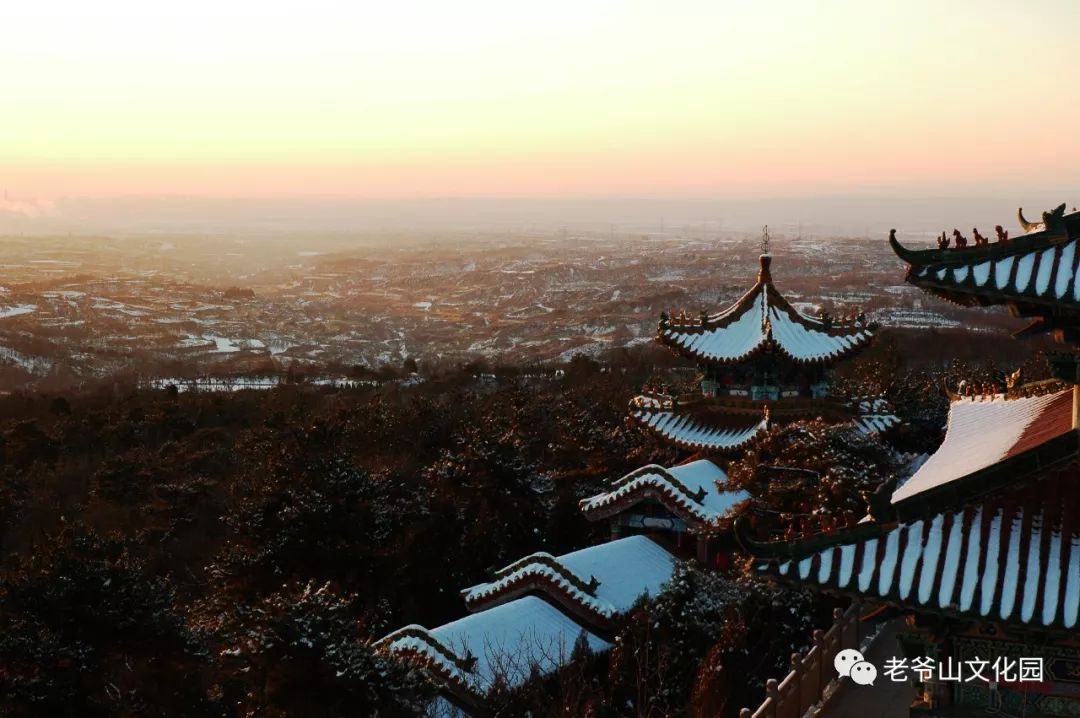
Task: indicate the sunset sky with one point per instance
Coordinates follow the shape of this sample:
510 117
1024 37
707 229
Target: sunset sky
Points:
580 98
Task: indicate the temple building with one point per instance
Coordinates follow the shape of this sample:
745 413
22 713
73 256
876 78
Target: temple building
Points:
594 585
761 361
678 506
499 648
532 616
980 548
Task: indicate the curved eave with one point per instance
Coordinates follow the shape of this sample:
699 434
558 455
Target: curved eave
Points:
953 257
649 482
673 343
616 502
837 328
784 409
893 601
537 566
851 337
449 681
748 327
968 292
1036 274
855 344
446 667
924 566
950 293
807 547
1063 311
525 583
676 336
676 428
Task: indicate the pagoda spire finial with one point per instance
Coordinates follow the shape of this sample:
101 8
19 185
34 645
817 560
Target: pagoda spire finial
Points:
763 274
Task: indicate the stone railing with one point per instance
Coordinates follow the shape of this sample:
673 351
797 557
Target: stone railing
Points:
811 674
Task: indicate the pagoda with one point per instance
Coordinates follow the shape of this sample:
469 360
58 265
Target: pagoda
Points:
761 361
980 548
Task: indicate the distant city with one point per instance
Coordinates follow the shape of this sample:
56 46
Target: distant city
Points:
75 310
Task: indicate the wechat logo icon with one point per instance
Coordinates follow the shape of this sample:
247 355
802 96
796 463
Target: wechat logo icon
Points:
851 664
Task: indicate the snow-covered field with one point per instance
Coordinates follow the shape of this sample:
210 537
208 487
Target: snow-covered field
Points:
913 319
16 310
34 365
242 383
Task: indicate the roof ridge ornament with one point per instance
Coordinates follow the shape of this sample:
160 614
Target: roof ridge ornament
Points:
1024 224
1013 382
1051 221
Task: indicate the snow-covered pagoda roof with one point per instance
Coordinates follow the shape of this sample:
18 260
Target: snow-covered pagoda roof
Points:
595 583
1013 558
728 425
502 645
762 319
671 421
991 441
691 491
1036 271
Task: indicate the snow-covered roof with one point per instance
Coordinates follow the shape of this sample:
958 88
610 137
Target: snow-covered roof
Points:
604 579
985 430
693 432
1041 265
711 425
1028 273
692 491
502 644
999 561
876 423
761 319
873 414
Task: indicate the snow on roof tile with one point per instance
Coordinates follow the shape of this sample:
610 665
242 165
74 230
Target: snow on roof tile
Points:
985 430
1000 561
1046 272
761 318
737 339
804 343
691 491
504 643
606 579
692 433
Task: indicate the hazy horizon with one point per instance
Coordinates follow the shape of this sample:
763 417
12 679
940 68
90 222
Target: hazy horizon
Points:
843 215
